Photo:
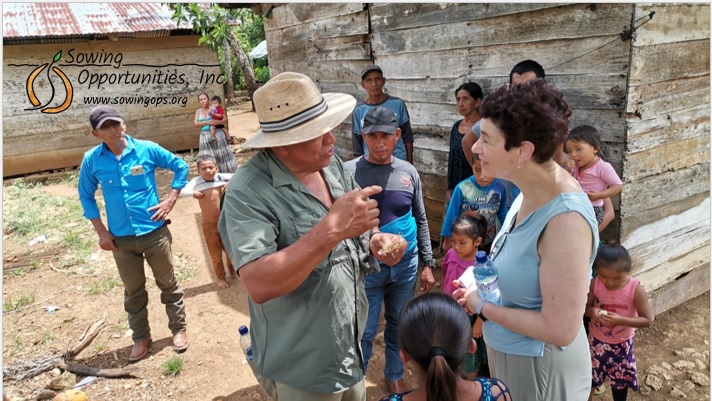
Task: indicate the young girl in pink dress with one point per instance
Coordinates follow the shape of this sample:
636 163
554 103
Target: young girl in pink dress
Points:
468 233
617 305
596 176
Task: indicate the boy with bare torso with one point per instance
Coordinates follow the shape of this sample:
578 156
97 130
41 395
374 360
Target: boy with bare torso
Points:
208 189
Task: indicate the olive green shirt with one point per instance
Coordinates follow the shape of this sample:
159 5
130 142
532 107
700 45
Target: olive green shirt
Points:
309 338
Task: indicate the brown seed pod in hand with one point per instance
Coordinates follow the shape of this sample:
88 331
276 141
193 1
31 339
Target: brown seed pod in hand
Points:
393 246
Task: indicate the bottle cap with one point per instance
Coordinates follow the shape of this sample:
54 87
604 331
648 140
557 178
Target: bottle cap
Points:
242 330
481 256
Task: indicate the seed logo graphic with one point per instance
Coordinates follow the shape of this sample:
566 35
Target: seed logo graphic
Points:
67 87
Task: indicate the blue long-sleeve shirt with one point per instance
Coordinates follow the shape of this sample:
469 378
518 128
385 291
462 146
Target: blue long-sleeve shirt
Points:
128 184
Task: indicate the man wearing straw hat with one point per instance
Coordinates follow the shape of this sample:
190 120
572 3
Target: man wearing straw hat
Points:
297 228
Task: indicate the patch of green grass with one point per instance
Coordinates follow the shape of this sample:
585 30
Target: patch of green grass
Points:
9 305
47 336
100 346
122 326
104 286
172 366
16 272
191 158
78 244
183 270
16 345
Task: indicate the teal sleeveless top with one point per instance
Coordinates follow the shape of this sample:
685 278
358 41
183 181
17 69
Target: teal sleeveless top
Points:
517 261
201 119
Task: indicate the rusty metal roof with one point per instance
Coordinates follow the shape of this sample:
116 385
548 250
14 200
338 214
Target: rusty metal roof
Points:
25 20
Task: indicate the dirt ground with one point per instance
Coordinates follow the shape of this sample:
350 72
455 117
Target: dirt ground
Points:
214 367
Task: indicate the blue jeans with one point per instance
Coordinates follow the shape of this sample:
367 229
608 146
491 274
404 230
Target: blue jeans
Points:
395 285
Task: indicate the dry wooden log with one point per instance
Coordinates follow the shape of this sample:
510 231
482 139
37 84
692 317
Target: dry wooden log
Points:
84 370
27 370
89 335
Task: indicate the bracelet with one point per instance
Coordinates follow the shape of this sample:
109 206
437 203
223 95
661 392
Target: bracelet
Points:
478 309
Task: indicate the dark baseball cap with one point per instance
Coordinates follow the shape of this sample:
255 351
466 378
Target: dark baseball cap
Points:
370 68
379 119
101 114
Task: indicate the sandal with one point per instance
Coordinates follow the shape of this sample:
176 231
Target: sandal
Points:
600 389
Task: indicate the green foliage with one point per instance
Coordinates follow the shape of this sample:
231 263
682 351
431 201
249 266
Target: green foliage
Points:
172 366
262 74
215 22
10 306
104 286
47 336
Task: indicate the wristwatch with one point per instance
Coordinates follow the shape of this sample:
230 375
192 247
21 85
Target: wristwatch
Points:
432 266
478 309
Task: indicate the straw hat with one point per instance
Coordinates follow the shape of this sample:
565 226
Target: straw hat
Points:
291 110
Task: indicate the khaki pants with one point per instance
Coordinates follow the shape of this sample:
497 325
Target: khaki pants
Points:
282 392
216 249
154 248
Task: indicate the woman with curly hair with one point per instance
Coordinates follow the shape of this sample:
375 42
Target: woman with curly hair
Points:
535 337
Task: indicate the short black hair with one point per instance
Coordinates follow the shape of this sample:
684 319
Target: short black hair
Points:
615 257
205 158
473 88
216 98
589 135
526 66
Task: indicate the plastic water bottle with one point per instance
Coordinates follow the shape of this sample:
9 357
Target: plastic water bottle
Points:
486 277
245 342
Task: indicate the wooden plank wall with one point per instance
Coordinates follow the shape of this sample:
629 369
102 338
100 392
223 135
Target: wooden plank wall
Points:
35 141
665 201
428 50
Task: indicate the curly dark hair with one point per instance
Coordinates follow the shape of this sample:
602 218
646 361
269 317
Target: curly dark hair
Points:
533 111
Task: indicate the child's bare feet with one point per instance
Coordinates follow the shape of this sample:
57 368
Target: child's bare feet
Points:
223 284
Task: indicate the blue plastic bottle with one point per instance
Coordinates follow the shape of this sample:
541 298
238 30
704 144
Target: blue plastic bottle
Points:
486 277
245 342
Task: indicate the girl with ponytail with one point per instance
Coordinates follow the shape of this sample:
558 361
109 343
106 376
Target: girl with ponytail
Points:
434 335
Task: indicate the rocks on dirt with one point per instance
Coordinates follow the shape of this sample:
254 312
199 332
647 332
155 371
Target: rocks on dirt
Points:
677 393
685 365
71 395
64 380
658 376
654 381
685 352
46 394
700 379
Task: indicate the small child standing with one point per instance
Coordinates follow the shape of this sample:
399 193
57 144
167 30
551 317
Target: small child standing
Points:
486 196
617 305
596 176
468 232
208 190
217 113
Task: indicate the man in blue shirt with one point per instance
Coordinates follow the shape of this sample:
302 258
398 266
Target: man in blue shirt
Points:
125 169
372 80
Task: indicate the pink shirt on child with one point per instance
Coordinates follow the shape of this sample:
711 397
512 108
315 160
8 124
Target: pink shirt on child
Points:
621 302
453 267
597 178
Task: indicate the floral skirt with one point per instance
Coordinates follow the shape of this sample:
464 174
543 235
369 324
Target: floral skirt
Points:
219 149
613 363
